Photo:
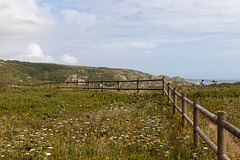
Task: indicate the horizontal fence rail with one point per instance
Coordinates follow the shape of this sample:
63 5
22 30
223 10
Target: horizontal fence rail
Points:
155 85
220 120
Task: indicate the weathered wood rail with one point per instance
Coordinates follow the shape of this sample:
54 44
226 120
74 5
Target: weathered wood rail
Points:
93 85
220 149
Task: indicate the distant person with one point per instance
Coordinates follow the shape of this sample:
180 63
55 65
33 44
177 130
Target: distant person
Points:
214 82
202 82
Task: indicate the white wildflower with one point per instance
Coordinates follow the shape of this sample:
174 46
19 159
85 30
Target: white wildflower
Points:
48 154
31 150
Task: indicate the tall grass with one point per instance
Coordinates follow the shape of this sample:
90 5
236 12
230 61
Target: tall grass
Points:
57 124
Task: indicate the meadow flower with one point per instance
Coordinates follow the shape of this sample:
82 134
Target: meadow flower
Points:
166 153
31 150
195 155
205 148
50 147
48 154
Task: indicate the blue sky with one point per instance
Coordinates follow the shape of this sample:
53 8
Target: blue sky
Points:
187 38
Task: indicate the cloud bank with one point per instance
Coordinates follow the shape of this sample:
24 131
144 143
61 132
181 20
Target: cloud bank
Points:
137 34
24 18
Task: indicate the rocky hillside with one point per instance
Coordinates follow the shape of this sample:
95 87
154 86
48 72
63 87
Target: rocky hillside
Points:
16 71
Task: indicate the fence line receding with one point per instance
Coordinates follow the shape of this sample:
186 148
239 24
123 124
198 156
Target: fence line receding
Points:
220 149
135 85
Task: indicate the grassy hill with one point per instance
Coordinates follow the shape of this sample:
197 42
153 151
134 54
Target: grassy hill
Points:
16 71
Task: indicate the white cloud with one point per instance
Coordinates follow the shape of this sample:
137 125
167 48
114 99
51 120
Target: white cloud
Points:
34 53
73 17
24 18
228 53
193 15
185 15
125 45
68 59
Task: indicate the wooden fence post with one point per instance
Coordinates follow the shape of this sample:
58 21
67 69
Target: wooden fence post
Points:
118 85
137 85
67 85
102 85
59 85
76 84
222 135
195 123
163 85
174 101
183 110
169 92
88 85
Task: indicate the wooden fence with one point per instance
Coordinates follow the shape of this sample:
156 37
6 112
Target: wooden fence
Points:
220 120
95 85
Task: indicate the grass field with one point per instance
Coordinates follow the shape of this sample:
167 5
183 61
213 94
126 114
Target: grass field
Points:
57 124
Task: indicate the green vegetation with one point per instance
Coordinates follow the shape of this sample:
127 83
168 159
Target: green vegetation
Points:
76 124
61 124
